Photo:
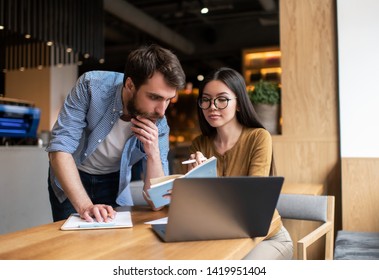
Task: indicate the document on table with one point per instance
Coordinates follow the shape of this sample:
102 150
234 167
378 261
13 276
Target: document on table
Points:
121 220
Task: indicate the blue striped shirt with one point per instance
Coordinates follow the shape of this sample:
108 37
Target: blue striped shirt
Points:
88 114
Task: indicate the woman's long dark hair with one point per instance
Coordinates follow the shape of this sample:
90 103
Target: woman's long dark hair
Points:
246 115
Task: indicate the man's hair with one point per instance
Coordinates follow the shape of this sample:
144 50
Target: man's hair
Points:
143 62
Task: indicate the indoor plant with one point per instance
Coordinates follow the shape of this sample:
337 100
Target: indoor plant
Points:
265 97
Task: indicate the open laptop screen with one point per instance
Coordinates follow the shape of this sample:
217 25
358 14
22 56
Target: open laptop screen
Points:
222 207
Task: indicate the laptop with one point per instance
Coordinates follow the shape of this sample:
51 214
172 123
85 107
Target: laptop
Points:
220 208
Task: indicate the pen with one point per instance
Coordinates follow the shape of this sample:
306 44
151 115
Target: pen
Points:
96 224
191 161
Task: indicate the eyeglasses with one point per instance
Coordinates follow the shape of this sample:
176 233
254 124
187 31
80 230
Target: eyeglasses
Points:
220 102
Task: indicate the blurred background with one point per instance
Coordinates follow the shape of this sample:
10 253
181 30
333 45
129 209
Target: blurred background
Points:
48 44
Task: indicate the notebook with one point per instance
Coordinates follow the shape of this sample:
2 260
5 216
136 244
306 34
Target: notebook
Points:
162 185
123 219
220 208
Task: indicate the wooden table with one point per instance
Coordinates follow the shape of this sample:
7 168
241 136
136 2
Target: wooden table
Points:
137 243
48 242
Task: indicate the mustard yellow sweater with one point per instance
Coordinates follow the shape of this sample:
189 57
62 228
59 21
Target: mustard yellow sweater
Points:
250 156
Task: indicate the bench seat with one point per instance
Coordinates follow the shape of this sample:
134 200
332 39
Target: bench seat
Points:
352 245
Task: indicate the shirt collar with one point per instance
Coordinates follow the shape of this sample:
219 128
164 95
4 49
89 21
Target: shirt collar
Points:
118 101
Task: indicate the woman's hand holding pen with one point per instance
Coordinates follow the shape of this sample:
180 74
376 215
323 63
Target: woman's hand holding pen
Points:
195 160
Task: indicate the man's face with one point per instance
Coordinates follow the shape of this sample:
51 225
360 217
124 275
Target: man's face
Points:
152 98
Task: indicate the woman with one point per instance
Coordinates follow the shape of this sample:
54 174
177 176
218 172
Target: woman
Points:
232 132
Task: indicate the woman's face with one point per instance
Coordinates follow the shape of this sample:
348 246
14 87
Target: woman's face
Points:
226 104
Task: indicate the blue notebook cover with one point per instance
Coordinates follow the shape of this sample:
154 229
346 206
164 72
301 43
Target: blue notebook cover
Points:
157 191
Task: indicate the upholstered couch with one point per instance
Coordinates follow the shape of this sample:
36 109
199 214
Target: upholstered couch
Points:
352 245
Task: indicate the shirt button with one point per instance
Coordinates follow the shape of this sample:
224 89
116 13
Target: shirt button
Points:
121 112
99 140
112 122
85 154
114 110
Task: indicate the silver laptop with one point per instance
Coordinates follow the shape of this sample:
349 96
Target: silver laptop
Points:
220 208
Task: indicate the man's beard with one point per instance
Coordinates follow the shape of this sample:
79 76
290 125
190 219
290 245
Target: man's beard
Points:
133 111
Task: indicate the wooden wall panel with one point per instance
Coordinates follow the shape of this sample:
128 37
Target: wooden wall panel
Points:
307 151
360 195
309 68
306 160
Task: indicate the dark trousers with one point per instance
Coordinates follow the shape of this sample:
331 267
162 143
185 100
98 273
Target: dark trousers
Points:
102 189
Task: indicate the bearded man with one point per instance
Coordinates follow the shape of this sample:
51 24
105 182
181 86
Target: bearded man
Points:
109 122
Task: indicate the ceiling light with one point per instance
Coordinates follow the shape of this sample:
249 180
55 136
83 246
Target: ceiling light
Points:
204 10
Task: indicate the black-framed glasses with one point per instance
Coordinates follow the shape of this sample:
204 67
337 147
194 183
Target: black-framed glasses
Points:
220 102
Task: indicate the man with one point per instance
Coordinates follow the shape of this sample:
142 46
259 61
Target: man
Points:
108 122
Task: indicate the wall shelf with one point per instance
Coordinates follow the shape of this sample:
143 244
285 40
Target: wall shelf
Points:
261 63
